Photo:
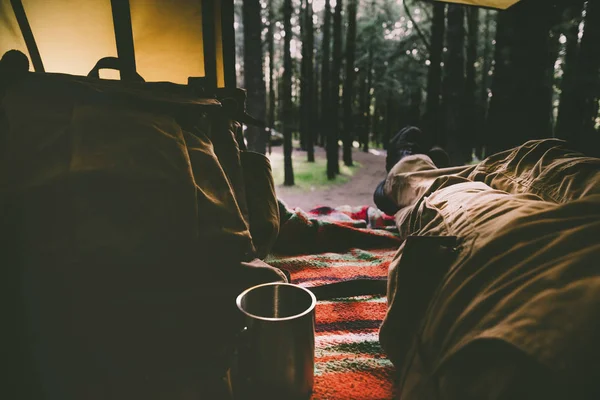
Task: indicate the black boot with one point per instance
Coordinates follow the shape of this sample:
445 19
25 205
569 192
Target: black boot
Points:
409 140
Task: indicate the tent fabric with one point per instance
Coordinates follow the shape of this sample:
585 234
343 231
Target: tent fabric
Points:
73 35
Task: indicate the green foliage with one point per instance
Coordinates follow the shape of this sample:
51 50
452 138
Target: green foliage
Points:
399 55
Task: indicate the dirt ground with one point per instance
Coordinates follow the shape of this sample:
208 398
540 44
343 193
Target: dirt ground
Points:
356 192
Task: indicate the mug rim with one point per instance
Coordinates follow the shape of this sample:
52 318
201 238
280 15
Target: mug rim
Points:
313 302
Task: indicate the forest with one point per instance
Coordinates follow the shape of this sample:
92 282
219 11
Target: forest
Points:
347 74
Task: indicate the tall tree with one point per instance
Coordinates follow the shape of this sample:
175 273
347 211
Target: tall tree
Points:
287 95
308 50
253 74
582 85
569 91
348 98
454 84
553 53
590 73
271 49
518 108
304 95
367 109
434 72
333 166
471 110
487 57
362 105
325 74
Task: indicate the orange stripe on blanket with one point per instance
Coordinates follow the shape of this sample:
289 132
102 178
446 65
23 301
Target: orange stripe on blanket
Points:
335 312
346 356
375 384
374 271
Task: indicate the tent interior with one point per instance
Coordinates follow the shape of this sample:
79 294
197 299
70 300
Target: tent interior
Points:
133 217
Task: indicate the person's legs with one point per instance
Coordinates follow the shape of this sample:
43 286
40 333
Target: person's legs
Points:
547 168
519 255
409 142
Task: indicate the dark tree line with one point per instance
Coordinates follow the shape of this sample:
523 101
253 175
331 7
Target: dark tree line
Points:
480 81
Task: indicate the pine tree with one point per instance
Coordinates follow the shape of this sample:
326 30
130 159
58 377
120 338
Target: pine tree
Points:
454 84
581 87
471 111
434 73
519 105
287 95
271 50
325 75
348 98
309 110
333 166
253 74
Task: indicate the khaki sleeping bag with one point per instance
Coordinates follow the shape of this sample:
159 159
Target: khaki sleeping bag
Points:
126 237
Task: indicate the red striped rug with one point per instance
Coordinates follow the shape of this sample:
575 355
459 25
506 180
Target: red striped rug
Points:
350 363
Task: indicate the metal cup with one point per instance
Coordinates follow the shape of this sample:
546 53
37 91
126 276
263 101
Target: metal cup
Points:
277 355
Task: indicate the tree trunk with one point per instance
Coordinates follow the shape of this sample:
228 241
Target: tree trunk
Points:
586 85
316 109
568 97
553 52
470 112
326 76
485 84
253 74
590 74
374 122
303 74
310 106
518 108
434 74
332 139
454 85
389 113
287 95
348 99
362 105
413 115
367 109
271 48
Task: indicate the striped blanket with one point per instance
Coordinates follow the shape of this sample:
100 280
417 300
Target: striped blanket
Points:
350 364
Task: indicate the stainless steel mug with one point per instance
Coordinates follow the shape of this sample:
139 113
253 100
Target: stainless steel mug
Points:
277 355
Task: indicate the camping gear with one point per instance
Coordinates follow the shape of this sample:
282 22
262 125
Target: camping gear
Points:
277 356
126 234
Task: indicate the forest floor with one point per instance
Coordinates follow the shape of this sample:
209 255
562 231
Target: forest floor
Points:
356 189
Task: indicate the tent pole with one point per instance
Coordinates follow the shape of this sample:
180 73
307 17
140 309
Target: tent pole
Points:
208 41
32 48
124 37
228 33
